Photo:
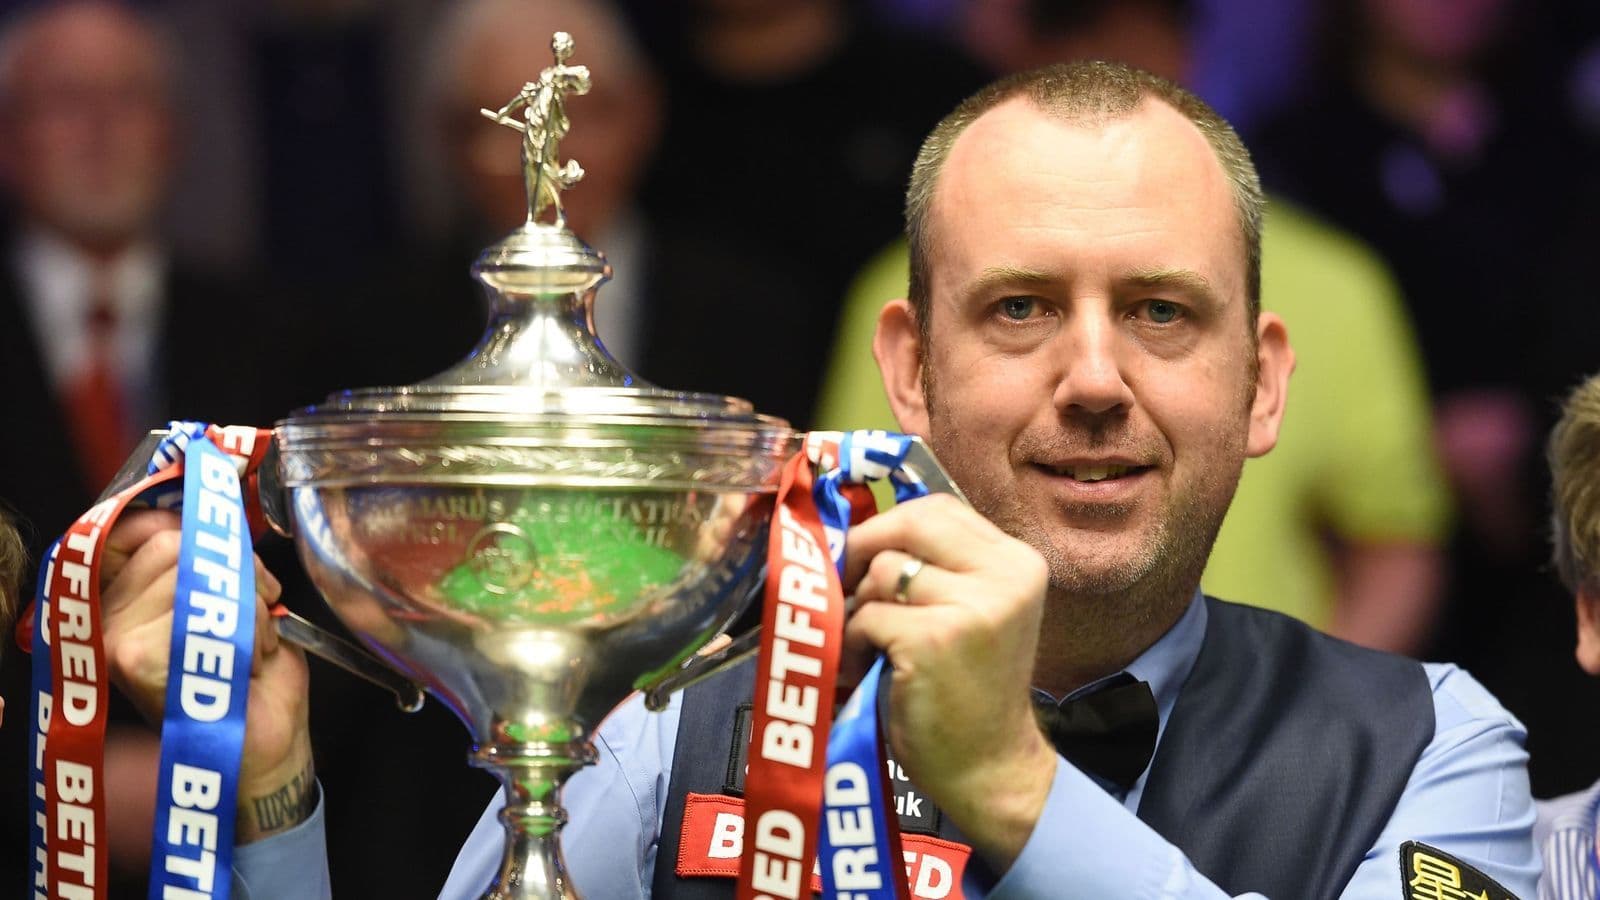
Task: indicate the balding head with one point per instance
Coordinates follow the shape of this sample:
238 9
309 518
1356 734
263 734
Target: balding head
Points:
86 116
1085 92
490 48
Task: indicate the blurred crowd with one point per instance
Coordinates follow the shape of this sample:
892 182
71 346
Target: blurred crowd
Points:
223 210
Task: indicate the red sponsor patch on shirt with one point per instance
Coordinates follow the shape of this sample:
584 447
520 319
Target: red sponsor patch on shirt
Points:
713 840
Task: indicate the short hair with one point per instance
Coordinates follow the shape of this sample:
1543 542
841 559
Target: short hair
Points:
1574 455
13 562
1090 92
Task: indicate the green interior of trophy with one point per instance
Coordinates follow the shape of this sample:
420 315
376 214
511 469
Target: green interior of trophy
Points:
556 556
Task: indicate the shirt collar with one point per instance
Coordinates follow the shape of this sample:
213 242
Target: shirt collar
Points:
134 276
57 280
1165 666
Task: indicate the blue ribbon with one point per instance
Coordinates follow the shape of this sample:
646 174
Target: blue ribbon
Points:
855 852
40 716
208 683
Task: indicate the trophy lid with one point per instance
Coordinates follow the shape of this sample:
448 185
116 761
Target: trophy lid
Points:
540 377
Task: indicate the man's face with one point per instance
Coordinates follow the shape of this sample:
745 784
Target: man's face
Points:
88 128
1088 375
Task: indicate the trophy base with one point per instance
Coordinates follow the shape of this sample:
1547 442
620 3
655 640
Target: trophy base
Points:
531 868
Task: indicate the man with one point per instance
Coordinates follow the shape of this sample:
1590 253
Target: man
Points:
1567 825
1083 349
97 321
1341 525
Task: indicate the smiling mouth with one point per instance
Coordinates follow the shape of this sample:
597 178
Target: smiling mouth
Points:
1089 474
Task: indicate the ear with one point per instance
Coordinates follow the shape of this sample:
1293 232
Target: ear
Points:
1588 653
897 345
1274 363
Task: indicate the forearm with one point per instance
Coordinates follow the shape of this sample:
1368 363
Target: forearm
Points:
1087 844
275 801
1388 595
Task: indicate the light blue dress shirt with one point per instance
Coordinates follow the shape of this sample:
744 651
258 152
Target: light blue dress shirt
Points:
1468 795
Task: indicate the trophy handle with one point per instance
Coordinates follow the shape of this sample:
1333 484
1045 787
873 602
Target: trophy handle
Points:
729 652
313 639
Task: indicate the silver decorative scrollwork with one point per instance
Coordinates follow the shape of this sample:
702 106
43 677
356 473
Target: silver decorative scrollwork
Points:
484 464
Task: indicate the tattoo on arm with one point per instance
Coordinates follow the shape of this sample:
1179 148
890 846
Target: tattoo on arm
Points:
288 805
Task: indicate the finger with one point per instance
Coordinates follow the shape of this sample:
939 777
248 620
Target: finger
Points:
268 587
938 528
128 609
266 637
886 581
138 660
133 529
154 559
882 627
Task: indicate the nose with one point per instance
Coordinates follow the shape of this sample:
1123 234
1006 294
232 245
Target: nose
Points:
1092 378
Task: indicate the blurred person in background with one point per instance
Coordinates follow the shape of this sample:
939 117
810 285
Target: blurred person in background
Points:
1341 525
103 332
789 127
1436 134
1413 140
99 324
490 49
1566 828
428 310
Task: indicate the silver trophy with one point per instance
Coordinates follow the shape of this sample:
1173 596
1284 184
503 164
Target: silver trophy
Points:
535 533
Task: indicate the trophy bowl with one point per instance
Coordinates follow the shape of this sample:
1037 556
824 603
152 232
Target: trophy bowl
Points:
529 571
531 574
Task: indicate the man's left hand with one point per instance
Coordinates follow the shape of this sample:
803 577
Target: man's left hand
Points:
962 641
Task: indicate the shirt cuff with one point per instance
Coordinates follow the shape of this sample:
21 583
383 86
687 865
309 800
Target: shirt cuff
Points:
293 863
1084 835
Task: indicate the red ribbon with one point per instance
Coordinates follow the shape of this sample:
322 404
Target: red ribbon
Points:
796 675
74 753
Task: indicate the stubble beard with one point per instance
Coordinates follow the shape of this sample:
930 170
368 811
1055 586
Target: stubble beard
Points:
1096 607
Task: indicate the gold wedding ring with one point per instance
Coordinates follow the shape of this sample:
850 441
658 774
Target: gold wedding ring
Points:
912 567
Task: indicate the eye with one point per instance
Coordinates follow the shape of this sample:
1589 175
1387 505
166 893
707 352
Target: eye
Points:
1163 312
1018 308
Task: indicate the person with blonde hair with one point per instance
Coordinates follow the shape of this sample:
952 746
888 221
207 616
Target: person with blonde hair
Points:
13 559
1566 828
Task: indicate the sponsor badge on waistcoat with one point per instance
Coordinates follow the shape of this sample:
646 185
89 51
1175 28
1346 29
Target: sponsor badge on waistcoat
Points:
916 812
1428 873
712 841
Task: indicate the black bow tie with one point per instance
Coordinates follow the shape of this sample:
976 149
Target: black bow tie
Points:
1110 733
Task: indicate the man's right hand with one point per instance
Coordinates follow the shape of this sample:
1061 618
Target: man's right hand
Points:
138 576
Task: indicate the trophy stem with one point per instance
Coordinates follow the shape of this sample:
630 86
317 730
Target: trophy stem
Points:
532 774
